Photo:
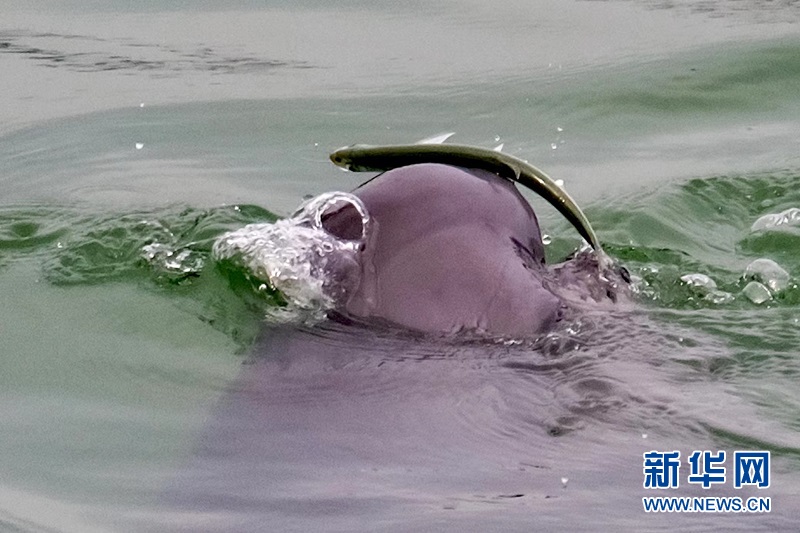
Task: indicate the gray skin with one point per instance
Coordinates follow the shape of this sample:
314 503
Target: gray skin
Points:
452 249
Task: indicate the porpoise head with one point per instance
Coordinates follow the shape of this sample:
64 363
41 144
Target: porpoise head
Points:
443 249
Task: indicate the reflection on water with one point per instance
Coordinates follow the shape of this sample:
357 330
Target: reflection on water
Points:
132 137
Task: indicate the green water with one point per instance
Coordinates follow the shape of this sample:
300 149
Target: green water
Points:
675 129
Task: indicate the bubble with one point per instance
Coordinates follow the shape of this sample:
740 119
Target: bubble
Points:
700 281
756 292
769 273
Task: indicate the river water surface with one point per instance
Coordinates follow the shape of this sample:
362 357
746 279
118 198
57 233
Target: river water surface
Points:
132 137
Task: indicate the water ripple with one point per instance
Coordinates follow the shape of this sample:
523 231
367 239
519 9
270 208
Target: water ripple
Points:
83 53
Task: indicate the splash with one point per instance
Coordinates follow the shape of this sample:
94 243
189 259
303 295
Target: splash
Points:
311 268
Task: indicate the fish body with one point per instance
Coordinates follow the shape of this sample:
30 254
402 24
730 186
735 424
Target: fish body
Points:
367 158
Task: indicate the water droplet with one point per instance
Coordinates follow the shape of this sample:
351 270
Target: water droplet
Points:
564 481
559 129
546 239
139 146
553 146
496 138
560 183
141 105
644 435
